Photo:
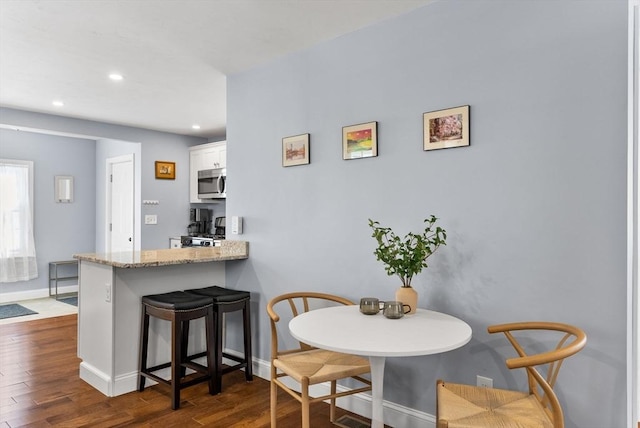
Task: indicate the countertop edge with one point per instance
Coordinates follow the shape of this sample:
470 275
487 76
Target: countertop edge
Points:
229 251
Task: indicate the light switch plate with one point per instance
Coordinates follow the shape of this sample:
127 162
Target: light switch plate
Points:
150 219
236 225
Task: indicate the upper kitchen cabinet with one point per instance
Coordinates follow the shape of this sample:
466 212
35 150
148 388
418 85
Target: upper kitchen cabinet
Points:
204 156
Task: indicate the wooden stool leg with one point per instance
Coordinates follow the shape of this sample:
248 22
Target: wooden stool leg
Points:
144 346
218 322
211 361
176 360
183 346
248 370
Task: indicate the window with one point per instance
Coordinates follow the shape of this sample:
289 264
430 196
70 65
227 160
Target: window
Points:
17 247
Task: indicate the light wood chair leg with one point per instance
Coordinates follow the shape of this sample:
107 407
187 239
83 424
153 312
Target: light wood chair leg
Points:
332 406
305 403
274 400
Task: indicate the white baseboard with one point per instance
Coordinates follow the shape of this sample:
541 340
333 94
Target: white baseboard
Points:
35 294
394 414
94 377
102 382
128 383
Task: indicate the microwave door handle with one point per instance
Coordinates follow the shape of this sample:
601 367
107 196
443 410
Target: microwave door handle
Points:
219 184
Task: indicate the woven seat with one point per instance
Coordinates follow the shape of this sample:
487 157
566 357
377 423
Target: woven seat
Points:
320 365
307 365
466 406
489 407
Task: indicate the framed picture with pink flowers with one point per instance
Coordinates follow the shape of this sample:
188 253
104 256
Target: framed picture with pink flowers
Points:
447 128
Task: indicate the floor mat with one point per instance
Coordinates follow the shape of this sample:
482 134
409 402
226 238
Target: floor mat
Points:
14 310
70 300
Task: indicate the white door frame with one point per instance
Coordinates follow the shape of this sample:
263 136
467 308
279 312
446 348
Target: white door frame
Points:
108 215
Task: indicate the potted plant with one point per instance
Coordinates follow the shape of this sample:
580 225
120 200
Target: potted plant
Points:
406 257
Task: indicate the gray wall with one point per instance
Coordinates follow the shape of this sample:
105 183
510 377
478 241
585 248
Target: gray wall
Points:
82 156
534 208
60 230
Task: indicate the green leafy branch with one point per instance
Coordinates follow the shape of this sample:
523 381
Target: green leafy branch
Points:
407 256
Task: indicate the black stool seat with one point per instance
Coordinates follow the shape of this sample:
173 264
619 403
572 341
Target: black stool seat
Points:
226 300
221 294
179 308
175 301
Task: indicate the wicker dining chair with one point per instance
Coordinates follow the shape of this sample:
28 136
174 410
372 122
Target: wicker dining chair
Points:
305 364
466 406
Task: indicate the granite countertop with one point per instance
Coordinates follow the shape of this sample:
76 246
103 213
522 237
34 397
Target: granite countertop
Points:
229 250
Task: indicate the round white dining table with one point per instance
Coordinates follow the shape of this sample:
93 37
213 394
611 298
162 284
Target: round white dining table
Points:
345 329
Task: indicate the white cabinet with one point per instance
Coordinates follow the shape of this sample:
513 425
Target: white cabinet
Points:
204 156
214 157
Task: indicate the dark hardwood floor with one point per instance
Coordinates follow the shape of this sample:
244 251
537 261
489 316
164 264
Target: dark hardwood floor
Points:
40 387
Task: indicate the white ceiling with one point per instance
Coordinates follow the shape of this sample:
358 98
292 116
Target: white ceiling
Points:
174 55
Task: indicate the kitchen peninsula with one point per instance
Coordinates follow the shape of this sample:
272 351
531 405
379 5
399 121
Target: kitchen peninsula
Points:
110 289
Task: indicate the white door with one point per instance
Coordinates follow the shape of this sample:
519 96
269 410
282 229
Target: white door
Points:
120 209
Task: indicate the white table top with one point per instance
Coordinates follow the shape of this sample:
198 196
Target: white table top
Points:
345 329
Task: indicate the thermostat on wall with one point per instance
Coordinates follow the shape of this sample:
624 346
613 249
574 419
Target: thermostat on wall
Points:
236 225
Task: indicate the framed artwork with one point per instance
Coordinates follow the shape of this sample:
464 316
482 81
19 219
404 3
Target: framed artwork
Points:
165 170
360 141
295 150
446 128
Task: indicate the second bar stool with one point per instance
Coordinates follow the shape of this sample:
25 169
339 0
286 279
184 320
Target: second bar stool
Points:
227 300
179 308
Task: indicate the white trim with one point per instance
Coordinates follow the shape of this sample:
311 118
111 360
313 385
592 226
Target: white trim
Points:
97 379
360 404
129 383
47 131
40 293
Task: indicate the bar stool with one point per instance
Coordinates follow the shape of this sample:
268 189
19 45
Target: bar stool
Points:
224 301
179 308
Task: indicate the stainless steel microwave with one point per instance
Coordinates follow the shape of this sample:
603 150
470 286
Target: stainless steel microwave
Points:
212 183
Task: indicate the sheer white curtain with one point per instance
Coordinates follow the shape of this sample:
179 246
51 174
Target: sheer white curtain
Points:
17 247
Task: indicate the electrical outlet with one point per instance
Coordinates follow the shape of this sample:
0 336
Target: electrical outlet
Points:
107 292
485 382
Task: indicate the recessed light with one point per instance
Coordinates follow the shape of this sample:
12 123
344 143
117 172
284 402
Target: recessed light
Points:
116 76
195 126
58 103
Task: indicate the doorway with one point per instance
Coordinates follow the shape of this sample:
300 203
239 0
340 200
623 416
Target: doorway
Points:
119 225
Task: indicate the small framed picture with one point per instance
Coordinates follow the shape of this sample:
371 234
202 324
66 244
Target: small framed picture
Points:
295 150
165 170
446 128
360 141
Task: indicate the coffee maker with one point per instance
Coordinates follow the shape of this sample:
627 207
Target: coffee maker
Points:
199 221
220 228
